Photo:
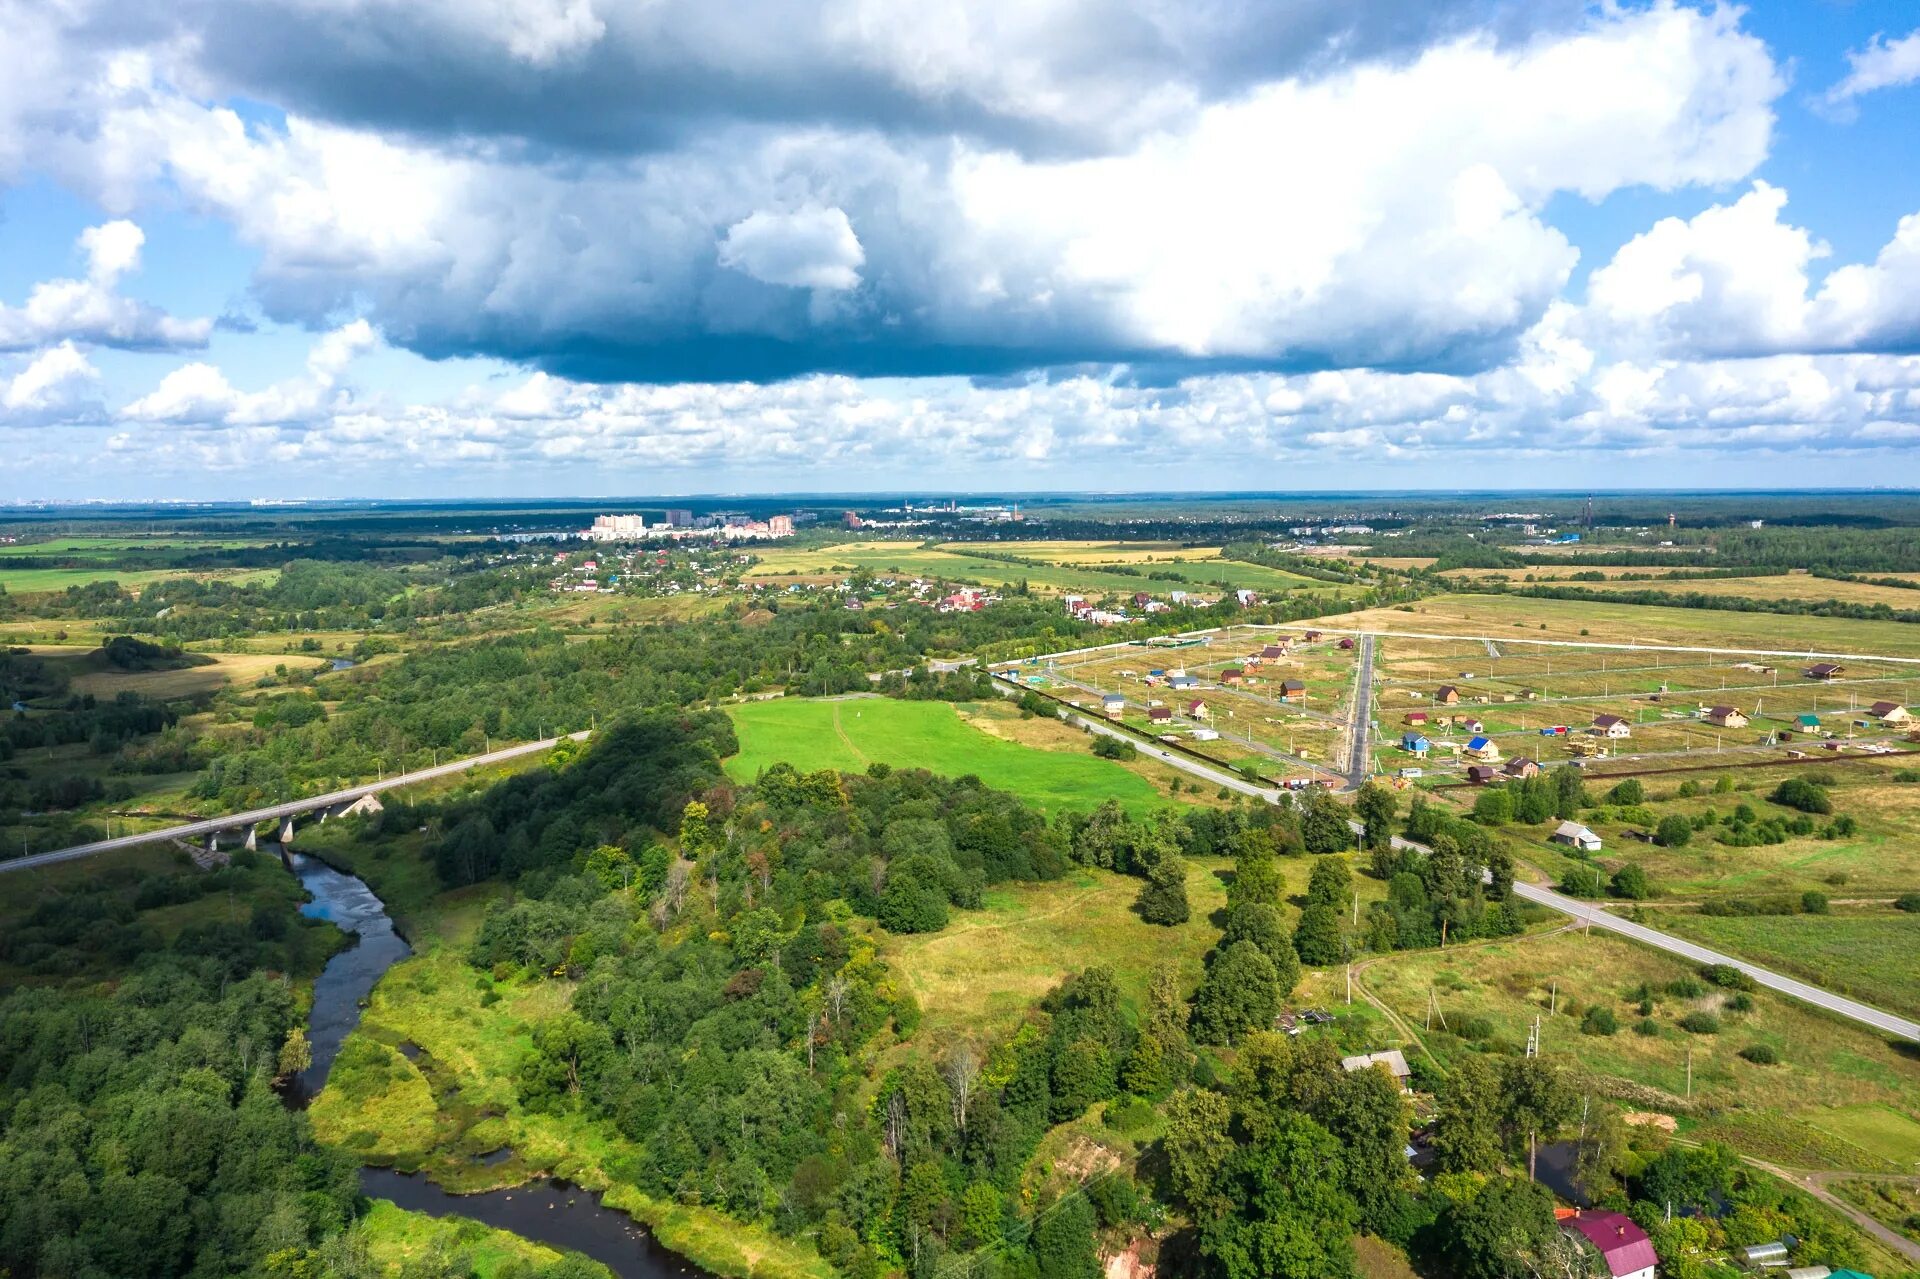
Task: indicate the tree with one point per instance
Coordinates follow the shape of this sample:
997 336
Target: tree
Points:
1200 1147
1163 898
296 1054
1500 874
1323 824
1063 1246
1256 876
1493 807
911 905
1501 1231
1367 1116
1582 881
1466 1125
1240 994
1376 806
1083 1074
1630 883
1317 938
981 1211
1673 832
1628 793
1569 792
1798 792
1330 884
1262 925
1538 1104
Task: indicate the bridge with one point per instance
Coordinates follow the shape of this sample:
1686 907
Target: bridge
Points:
244 825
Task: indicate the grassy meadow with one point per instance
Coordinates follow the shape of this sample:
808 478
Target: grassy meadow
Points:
848 734
1866 953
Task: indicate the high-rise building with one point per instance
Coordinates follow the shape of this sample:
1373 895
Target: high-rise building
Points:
679 518
780 525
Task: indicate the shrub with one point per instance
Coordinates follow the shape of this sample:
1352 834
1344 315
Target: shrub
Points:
1741 1002
1727 977
1909 902
1700 1023
1628 792
1813 902
1802 793
1688 789
1906 775
1760 1054
1114 748
1685 988
1582 881
1630 883
1476 1028
1723 785
1646 1027
1599 1021
1673 832
1128 1113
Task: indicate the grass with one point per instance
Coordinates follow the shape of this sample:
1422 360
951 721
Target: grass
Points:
1841 1098
191 681
395 1237
31 581
1868 955
1783 586
1890 1203
849 734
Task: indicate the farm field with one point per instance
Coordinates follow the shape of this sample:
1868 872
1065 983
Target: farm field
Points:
1840 1098
1522 618
95 547
1561 572
1786 586
29 581
217 671
1868 954
851 733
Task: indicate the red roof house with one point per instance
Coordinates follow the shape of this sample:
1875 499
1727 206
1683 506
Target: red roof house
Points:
1621 1244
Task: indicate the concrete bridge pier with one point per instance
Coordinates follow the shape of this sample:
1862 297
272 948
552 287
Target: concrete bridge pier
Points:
286 830
213 841
253 839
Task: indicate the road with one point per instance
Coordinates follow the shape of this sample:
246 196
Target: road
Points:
1360 721
236 821
1464 638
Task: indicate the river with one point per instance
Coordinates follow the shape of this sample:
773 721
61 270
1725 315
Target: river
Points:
551 1212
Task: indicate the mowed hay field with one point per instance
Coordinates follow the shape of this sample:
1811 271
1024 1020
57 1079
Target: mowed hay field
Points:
1780 586
1517 618
189 681
851 733
1840 1097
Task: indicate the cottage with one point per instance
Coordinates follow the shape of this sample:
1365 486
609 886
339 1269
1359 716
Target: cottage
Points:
1197 709
1521 766
1483 748
1415 744
1480 774
1612 726
1183 683
1347 642
1233 675
1808 723
1113 704
1824 671
1726 717
1622 1245
1204 735
1447 695
1160 714
1393 1061
1311 636
1473 725
1292 690
1416 717
1574 835
1273 651
1890 712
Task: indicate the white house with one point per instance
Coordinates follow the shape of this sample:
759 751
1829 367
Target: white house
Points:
1575 835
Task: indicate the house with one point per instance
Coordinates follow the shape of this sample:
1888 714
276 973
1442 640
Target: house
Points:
1612 726
1416 717
1521 766
1232 675
1480 774
1140 599
1311 636
1393 1061
1113 704
1347 642
1808 723
1204 735
1575 835
1824 670
1473 725
1415 743
1293 690
1246 598
1622 1245
1273 651
1183 683
1197 709
1726 717
1890 712
1160 714
1483 748
1447 695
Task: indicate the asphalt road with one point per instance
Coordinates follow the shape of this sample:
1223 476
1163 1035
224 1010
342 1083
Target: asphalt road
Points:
1361 721
294 808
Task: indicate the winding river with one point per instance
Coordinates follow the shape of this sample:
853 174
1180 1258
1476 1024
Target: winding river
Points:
552 1212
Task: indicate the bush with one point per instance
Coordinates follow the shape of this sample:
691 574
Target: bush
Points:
1582 881
1599 1021
1906 775
1740 1003
1909 902
1700 1023
1803 794
1727 977
1813 902
1128 1113
1114 748
1630 883
1689 789
1628 792
1761 1054
1476 1029
1646 1027
1673 832
1685 988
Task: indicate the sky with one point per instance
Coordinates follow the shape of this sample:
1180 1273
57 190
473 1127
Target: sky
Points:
520 248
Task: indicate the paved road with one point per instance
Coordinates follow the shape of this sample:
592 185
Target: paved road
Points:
1360 722
236 821
1464 638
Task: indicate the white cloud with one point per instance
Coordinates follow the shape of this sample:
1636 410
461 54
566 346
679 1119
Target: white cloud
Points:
90 311
1883 64
199 394
810 248
57 384
1384 213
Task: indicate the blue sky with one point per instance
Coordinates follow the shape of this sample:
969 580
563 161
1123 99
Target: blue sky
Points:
527 247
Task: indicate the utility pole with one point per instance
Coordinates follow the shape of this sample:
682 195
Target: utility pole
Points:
1689 1072
1349 984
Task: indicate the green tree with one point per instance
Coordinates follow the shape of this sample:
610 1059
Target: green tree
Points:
1330 884
1063 1245
1323 824
1200 1150
1262 925
1376 806
981 1211
1493 807
1256 875
1537 1104
1317 938
1502 1231
1466 1125
1569 792
1630 883
1673 832
1163 898
1241 994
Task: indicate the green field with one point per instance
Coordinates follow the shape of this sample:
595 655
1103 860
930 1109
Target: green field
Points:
1868 955
28 581
851 733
